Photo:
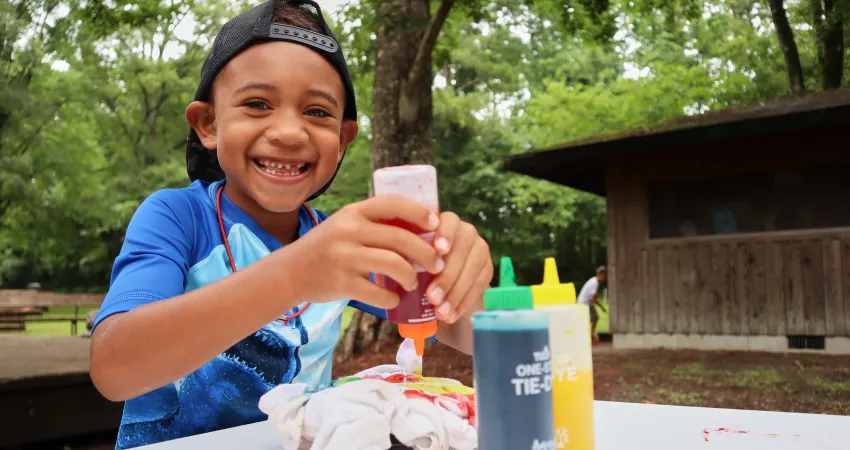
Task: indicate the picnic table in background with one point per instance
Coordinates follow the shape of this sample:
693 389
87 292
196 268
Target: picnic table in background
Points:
627 426
12 318
20 306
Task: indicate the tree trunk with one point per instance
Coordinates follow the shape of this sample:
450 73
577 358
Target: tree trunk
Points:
830 41
395 142
402 112
345 349
796 82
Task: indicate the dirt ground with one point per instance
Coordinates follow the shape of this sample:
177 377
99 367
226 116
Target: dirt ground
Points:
805 383
28 356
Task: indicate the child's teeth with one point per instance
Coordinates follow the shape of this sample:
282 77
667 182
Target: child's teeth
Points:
284 169
290 172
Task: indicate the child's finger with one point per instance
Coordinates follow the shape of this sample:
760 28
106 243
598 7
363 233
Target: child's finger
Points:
385 208
403 242
474 295
443 283
373 294
475 263
389 264
444 238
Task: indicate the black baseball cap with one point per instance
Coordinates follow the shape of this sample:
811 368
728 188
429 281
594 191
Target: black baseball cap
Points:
253 27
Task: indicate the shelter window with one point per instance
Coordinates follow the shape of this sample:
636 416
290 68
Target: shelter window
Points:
759 202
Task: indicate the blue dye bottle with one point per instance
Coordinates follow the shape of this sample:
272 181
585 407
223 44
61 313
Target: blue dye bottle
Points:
511 360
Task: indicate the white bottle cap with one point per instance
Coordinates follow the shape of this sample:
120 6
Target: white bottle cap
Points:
418 182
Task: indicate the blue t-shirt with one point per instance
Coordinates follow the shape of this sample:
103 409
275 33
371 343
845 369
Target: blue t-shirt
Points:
172 246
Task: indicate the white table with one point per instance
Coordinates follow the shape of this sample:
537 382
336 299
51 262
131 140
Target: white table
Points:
628 426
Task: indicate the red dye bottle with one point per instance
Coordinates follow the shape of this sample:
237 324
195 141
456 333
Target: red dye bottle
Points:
414 314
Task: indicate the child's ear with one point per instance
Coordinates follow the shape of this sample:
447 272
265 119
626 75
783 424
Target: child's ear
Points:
346 135
201 117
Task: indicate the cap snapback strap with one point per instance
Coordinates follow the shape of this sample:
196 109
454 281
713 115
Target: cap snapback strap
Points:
302 36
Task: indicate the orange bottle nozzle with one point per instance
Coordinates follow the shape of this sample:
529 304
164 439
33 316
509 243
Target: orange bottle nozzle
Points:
418 332
419 344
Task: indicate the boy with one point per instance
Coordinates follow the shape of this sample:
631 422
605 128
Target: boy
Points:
587 296
231 286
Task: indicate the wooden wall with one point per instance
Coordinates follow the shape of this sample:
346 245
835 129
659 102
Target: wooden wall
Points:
772 283
770 286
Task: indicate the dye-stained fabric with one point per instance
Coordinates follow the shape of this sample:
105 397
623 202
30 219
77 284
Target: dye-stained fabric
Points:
362 411
173 245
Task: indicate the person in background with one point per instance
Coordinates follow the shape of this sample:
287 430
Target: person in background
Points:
587 296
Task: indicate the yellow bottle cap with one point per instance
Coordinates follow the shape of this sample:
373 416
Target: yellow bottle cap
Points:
552 291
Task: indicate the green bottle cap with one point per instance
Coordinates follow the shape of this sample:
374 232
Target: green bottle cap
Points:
508 296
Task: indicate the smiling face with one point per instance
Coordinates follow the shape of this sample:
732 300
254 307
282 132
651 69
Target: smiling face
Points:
276 121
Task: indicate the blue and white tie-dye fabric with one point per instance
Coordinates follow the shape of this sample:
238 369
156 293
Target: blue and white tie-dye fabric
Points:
173 245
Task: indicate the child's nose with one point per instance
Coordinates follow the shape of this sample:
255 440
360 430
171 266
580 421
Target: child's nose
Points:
288 129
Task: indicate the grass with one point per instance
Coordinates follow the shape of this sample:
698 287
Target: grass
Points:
830 386
347 314
604 324
818 384
64 328
670 397
57 328
762 377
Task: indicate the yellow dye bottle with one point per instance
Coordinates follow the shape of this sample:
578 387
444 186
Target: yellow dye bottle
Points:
571 360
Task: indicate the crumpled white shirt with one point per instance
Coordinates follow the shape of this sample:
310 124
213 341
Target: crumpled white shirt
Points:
361 415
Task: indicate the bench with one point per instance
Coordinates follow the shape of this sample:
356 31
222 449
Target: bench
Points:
19 306
12 318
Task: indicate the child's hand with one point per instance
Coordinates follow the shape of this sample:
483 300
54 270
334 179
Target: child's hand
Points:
459 289
335 259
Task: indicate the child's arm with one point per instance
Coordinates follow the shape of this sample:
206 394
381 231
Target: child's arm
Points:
148 332
141 350
598 303
457 335
152 335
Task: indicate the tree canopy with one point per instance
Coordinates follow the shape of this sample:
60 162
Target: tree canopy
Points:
92 100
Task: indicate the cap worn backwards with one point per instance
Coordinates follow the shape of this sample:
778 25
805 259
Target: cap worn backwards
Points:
253 27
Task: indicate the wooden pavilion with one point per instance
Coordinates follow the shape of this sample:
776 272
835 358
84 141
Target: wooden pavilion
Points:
727 230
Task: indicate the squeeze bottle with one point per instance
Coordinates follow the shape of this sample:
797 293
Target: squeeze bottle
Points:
572 360
511 363
414 314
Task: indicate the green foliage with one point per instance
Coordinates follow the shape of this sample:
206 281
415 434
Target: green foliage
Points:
85 144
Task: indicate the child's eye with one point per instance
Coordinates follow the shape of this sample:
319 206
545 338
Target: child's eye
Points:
318 112
256 104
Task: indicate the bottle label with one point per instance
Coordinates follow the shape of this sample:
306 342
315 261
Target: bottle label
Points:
513 383
533 378
413 306
572 379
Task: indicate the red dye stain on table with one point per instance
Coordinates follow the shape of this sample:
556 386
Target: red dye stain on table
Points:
706 433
